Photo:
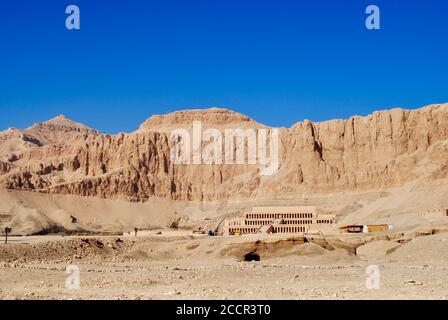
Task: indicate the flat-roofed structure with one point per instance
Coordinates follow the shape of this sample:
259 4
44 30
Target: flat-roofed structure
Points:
278 219
352 229
365 228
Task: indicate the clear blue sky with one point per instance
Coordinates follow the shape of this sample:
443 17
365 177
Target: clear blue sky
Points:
276 61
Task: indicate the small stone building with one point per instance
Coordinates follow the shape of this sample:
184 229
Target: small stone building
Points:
352 229
365 228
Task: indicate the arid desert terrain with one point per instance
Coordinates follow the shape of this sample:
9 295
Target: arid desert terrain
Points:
178 266
73 196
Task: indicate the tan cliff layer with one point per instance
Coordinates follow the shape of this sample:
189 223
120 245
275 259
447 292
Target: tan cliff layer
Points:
385 149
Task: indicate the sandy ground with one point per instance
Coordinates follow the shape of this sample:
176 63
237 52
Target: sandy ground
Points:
30 212
180 266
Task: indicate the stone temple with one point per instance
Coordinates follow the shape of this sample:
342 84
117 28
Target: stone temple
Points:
279 219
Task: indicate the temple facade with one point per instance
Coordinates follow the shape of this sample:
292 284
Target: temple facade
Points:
278 219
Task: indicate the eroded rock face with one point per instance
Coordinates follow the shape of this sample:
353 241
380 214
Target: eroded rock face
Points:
214 117
5 167
385 149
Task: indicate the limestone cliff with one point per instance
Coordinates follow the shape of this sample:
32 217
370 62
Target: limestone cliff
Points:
385 149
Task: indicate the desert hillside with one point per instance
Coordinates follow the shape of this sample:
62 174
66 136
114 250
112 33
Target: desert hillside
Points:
399 155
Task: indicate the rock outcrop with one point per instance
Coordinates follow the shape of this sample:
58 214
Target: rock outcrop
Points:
385 149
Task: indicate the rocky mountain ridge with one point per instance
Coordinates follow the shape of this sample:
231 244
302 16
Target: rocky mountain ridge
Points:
385 149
